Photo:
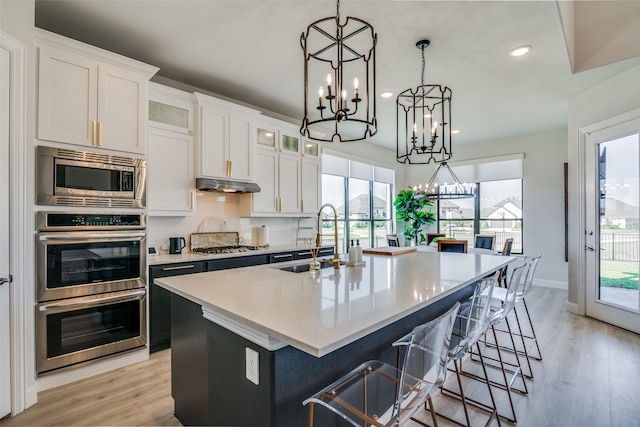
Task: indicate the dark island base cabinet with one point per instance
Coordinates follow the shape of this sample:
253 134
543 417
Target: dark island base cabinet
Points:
209 386
160 300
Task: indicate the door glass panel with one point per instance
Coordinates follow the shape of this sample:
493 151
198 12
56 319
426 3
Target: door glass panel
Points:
290 143
619 217
267 138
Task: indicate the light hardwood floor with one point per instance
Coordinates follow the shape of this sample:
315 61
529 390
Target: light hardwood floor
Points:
590 376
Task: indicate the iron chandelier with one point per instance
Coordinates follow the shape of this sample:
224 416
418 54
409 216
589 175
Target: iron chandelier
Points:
423 121
340 53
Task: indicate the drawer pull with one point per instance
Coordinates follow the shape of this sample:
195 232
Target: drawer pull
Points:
282 256
179 267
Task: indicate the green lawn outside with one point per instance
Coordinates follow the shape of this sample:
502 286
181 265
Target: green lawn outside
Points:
619 274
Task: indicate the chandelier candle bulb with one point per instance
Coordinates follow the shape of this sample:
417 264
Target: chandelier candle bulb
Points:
320 95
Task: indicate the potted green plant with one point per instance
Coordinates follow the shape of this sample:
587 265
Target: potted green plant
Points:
412 211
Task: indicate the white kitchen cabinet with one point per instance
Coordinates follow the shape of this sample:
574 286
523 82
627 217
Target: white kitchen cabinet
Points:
90 97
287 172
310 173
224 139
170 169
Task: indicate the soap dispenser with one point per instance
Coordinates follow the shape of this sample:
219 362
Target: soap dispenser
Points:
353 255
358 251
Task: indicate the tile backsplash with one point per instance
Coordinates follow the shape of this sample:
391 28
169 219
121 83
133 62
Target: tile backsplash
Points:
218 212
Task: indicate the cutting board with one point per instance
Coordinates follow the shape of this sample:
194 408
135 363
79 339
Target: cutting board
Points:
390 250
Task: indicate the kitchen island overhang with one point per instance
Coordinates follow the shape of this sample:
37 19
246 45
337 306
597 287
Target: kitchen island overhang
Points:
307 329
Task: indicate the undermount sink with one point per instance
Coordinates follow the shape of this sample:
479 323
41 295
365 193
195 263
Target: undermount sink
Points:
300 268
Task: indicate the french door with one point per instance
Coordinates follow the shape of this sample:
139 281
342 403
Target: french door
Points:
5 380
613 224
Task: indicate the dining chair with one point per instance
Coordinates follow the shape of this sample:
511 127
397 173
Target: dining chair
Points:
506 251
379 394
392 240
451 245
430 236
508 244
484 241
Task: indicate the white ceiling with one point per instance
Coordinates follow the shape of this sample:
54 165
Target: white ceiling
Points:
250 51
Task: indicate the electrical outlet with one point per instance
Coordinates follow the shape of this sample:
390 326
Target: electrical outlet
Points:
252 371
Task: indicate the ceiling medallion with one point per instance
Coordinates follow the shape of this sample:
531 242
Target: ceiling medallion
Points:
342 55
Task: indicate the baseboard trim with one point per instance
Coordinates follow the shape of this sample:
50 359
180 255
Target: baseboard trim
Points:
31 396
80 372
555 284
572 307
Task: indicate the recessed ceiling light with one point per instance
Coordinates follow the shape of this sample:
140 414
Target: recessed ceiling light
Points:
520 50
455 131
386 94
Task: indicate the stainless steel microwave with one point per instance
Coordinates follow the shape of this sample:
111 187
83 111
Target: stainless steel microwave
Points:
82 178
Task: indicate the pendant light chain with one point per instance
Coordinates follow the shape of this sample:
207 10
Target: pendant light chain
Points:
423 66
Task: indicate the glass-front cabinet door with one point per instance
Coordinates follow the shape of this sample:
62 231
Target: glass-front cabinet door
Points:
311 148
290 144
267 138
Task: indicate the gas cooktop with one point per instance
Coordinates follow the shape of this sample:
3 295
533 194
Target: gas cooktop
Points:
225 249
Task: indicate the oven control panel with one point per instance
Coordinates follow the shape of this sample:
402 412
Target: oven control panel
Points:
89 221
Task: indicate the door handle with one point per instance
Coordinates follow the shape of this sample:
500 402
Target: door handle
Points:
589 248
4 280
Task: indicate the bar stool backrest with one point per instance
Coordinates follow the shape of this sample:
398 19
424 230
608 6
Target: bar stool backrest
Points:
528 280
425 363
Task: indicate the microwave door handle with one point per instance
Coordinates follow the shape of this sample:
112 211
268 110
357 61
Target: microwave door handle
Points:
64 236
54 308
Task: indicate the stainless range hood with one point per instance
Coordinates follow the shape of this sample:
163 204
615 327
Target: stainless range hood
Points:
210 184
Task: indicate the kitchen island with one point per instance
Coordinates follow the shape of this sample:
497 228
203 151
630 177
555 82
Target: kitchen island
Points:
306 330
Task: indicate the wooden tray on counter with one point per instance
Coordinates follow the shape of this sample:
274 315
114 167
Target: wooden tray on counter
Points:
390 250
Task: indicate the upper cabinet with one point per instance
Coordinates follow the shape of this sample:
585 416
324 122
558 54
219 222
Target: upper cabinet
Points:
90 97
287 169
224 139
170 169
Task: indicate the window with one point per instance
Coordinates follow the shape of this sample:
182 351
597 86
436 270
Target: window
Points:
362 196
497 210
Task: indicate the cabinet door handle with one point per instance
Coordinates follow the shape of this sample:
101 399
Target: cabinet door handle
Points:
179 267
93 132
301 205
99 134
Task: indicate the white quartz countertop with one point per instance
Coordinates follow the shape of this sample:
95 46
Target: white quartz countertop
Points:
319 314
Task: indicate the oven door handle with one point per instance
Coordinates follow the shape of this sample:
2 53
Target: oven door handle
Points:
101 236
53 308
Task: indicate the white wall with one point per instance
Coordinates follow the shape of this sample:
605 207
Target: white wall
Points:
611 98
543 194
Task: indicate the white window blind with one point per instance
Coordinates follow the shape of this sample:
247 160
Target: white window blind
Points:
489 169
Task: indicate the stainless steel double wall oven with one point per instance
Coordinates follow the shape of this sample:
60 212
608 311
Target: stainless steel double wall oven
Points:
90 286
